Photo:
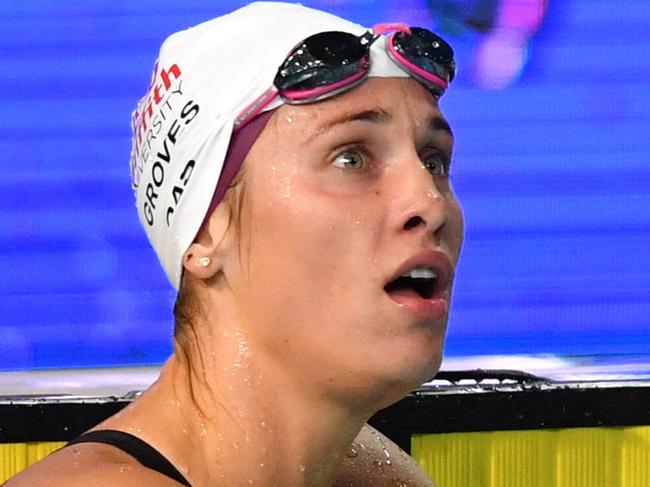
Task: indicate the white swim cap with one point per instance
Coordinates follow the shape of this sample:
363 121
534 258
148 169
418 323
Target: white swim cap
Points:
204 77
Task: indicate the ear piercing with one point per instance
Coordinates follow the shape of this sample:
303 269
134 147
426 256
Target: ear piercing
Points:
204 261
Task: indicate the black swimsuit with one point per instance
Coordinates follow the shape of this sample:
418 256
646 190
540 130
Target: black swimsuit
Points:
144 453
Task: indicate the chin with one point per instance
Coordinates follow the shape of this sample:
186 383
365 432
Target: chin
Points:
405 376
423 373
421 358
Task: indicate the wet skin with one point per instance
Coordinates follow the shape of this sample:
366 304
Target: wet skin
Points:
298 343
337 200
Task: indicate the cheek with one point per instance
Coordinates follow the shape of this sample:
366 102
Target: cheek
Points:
311 251
455 224
304 269
293 237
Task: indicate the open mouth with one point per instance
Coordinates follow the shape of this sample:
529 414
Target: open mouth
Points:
422 283
418 282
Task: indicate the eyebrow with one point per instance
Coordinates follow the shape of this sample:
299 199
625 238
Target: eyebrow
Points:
438 123
378 115
373 116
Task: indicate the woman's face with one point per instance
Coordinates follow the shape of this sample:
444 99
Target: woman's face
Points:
341 198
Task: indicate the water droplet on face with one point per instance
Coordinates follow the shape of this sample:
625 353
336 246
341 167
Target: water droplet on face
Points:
302 468
352 453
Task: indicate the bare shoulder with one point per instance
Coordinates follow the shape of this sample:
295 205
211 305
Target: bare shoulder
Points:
90 465
374 460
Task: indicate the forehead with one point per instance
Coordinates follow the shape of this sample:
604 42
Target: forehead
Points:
403 100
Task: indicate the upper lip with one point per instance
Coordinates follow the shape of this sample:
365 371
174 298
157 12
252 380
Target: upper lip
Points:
432 259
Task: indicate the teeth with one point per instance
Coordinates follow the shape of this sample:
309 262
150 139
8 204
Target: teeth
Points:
421 273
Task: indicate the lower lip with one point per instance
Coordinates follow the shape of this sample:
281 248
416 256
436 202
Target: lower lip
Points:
434 308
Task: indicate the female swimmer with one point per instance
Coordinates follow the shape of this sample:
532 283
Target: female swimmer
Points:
314 282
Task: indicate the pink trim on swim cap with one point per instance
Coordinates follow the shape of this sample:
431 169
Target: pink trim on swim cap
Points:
240 144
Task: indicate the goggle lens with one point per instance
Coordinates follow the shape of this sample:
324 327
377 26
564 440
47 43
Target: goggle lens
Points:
427 51
322 60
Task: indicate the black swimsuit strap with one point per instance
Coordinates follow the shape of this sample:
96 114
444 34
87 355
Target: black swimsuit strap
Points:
144 453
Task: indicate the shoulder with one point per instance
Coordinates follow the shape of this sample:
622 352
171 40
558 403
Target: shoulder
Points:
374 460
89 465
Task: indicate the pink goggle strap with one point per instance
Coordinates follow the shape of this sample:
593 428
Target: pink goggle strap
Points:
380 29
316 93
257 105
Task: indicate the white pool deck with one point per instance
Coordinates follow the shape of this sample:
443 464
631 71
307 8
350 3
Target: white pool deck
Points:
117 381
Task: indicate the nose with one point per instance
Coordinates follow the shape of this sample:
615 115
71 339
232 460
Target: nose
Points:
423 208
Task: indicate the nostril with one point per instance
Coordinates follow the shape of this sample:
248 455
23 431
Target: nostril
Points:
413 222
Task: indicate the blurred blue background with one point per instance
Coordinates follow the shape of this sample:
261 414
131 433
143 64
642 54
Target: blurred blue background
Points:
551 111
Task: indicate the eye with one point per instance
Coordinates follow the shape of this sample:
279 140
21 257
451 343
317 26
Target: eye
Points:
437 164
350 158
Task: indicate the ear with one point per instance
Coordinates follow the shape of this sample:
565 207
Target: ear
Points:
205 257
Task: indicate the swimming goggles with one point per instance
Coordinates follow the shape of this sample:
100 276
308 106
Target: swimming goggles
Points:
328 63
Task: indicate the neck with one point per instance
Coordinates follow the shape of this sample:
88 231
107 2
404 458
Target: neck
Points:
248 415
